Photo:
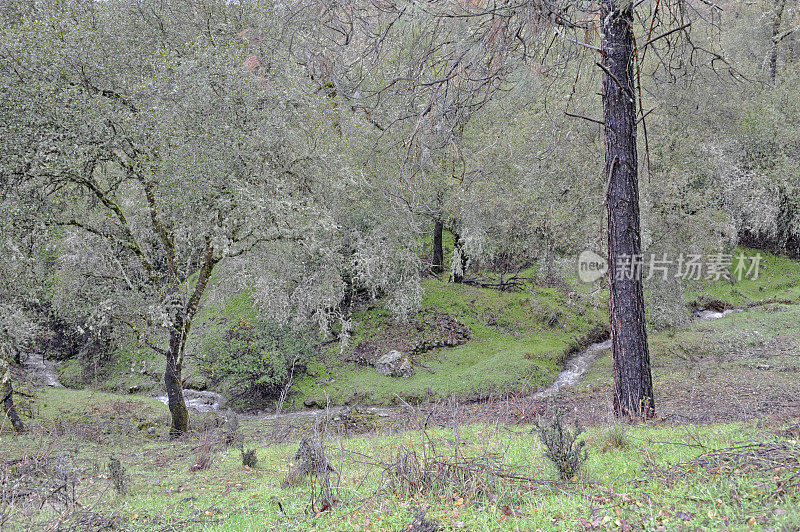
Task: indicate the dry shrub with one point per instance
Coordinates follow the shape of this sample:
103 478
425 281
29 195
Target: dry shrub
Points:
412 474
205 450
310 462
118 477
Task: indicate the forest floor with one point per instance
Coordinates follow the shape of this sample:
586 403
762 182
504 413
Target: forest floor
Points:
723 454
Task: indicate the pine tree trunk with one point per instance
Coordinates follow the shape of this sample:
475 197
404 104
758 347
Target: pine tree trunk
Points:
633 388
7 393
174 387
437 264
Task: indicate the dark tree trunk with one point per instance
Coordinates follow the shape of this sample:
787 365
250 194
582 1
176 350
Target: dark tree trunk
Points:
633 387
776 30
437 264
174 387
7 392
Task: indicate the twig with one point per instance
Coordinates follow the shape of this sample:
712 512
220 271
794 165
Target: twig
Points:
585 118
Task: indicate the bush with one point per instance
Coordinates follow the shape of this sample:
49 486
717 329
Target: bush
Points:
252 361
117 474
249 457
562 446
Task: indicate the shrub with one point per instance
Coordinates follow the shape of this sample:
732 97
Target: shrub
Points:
117 474
617 437
562 447
252 361
249 458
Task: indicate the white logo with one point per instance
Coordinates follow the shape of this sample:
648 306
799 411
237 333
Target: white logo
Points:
591 266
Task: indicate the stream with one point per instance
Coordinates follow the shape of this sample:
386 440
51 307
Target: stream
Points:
39 370
572 373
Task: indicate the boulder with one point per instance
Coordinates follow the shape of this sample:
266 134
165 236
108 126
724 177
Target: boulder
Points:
405 369
394 364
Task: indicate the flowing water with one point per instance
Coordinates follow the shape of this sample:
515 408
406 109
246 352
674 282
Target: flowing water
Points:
39 370
202 401
574 369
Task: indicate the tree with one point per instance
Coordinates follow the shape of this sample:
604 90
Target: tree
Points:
159 150
633 386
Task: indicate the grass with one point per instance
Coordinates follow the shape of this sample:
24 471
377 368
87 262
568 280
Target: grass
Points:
655 480
518 340
778 279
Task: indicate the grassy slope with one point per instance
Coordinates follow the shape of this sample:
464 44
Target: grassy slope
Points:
647 483
778 279
739 333
512 346
756 349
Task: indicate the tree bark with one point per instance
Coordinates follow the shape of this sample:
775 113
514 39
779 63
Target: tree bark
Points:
459 259
174 387
7 393
776 30
437 264
177 345
633 387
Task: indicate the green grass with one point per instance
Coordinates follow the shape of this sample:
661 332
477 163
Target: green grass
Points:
518 340
778 279
649 483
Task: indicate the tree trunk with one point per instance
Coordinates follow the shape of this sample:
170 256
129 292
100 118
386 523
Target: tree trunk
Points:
633 387
437 264
459 265
7 393
172 383
776 30
181 326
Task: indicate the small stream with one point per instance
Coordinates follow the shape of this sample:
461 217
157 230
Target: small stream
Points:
575 368
202 401
39 370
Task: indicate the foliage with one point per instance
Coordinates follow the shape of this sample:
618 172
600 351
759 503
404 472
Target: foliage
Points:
249 457
253 361
562 446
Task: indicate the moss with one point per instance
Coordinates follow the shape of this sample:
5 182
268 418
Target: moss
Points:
70 373
518 340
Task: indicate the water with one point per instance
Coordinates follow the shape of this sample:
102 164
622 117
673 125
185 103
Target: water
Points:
40 370
574 369
708 315
202 401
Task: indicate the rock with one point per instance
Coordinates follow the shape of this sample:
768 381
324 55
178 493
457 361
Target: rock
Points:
312 402
394 364
406 369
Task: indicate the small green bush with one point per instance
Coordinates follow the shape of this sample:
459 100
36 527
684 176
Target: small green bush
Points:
249 457
617 437
251 361
562 447
70 373
118 476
